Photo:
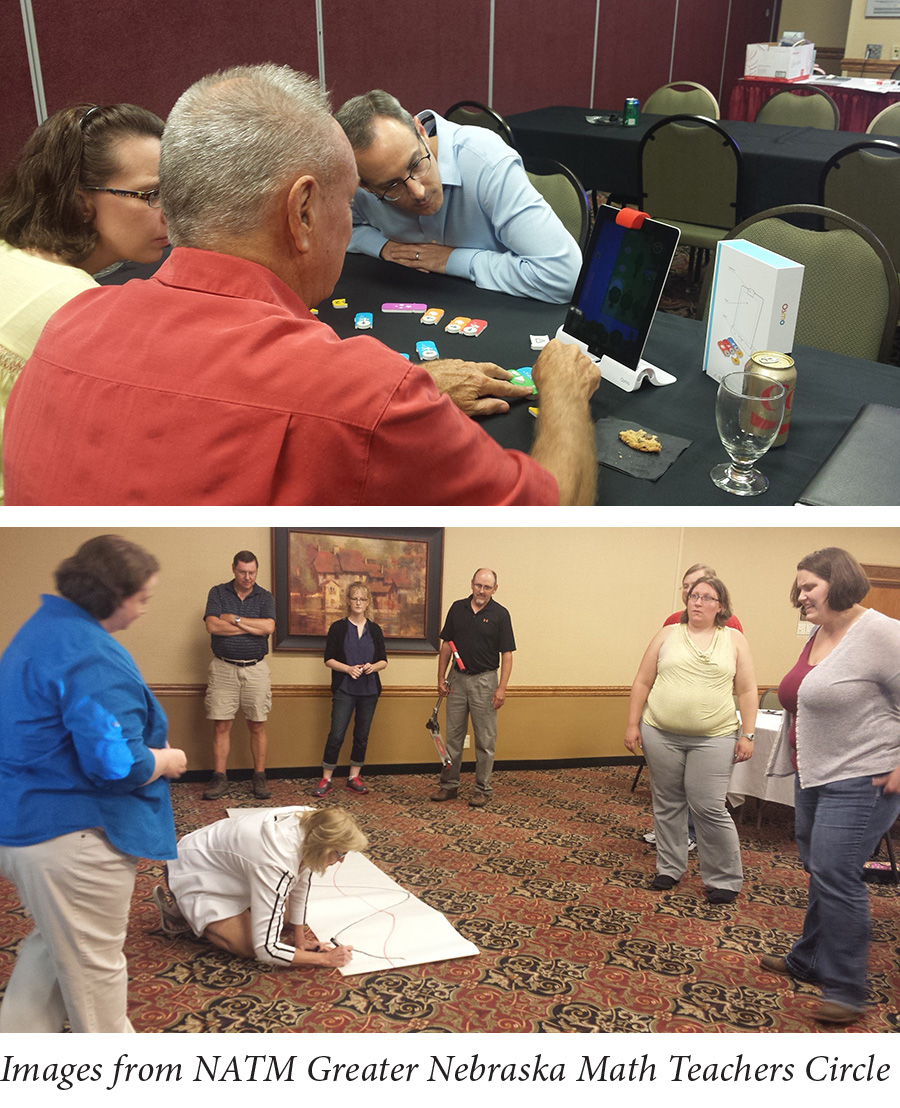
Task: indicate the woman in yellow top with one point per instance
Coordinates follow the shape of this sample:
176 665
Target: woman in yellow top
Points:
83 195
682 715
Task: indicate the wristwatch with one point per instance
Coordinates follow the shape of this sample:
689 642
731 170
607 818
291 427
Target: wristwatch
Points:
237 620
748 735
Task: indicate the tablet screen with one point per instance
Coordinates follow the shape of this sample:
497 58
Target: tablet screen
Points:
620 285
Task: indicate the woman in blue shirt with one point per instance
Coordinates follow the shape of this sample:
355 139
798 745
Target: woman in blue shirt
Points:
355 653
83 767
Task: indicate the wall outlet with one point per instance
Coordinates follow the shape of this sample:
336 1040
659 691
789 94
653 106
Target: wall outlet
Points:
895 51
466 743
805 629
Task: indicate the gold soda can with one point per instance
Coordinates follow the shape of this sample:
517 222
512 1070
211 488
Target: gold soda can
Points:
780 367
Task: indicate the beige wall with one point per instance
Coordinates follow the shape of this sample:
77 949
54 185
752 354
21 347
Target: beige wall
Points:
862 31
824 22
585 602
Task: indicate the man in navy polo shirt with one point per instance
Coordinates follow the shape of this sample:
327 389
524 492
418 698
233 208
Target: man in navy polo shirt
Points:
481 630
240 616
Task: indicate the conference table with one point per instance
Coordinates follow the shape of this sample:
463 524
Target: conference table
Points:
858 106
749 778
779 165
831 388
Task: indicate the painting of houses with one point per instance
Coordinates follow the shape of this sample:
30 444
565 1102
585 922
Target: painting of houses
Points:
399 568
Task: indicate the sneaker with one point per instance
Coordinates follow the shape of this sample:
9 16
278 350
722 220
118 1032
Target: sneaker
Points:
692 845
355 785
217 787
171 921
260 788
324 787
650 838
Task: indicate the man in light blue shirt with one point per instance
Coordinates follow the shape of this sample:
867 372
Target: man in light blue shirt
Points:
443 198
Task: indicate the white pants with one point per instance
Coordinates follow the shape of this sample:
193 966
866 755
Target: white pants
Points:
77 888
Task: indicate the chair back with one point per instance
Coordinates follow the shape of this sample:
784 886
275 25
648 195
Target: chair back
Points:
810 108
851 294
690 172
471 113
564 193
863 181
682 98
769 700
887 122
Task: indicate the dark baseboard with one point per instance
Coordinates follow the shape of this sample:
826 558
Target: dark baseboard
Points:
291 772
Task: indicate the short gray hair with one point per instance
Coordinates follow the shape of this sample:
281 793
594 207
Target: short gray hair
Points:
357 116
232 141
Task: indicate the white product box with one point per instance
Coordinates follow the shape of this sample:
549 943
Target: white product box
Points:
767 61
753 306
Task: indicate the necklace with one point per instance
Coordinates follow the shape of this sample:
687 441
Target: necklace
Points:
703 655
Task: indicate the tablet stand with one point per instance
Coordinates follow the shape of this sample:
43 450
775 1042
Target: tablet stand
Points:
622 376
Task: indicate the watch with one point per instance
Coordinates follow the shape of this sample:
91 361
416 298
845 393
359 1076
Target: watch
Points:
237 620
748 735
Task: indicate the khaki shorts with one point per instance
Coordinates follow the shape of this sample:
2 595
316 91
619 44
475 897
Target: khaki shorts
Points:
231 687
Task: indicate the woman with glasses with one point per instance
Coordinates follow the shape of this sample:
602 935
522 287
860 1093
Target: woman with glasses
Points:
682 715
841 734
355 654
235 881
83 194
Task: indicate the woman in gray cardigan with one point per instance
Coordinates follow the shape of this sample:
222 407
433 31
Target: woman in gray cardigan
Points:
842 736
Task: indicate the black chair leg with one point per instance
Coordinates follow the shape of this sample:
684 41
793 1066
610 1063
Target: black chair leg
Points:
637 776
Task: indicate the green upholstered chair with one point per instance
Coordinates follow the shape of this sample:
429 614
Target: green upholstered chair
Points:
564 193
690 178
863 181
769 701
810 108
473 114
851 293
682 98
887 122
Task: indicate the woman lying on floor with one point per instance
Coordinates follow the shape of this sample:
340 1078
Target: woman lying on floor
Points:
234 881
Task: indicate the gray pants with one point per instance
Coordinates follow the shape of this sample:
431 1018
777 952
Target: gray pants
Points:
693 770
471 698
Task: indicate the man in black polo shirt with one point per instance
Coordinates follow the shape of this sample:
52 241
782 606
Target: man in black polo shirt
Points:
239 616
482 633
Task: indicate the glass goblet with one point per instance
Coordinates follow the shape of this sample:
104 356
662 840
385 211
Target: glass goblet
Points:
749 411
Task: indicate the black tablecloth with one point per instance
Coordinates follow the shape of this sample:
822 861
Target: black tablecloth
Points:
780 165
830 388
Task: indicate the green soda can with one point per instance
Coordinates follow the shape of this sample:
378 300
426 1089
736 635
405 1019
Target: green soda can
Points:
631 112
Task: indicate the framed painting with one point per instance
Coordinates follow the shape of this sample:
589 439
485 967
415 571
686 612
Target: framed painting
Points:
401 567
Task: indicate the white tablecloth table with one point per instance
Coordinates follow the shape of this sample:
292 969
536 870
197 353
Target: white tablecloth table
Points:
749 778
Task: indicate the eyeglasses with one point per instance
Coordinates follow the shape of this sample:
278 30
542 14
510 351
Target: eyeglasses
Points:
416 172
704 599
152 196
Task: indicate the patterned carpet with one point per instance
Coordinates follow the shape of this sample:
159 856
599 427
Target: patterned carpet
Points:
550 882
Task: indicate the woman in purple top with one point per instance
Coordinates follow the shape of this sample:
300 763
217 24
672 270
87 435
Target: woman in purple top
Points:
355 654
842 736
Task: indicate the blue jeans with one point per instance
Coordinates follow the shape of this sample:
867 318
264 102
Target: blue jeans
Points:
838 827
343 706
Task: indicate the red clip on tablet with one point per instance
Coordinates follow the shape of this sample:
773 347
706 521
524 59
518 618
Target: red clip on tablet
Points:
629 217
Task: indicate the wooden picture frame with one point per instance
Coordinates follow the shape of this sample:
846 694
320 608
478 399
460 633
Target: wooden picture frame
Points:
401 566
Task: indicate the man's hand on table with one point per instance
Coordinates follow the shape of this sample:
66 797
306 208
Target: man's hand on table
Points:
475 387
562 366
428 257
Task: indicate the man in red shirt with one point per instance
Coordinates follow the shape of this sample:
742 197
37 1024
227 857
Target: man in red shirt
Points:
212 383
